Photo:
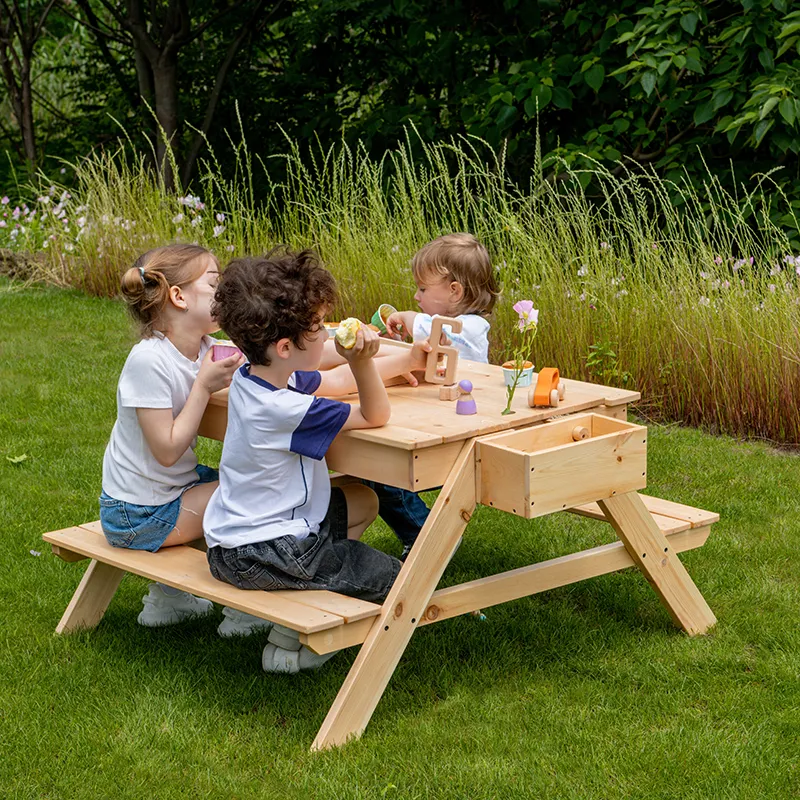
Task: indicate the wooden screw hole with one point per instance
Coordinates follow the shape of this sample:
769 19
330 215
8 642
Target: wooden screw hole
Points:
413 620
666 549
644 555
386 628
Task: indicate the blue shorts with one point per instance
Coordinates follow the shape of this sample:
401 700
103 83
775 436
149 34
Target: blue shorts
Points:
144 527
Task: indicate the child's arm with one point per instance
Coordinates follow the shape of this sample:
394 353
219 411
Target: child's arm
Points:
401 323
373 409
330 358
169 438
340 381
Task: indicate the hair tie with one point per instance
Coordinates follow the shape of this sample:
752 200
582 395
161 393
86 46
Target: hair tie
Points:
141 272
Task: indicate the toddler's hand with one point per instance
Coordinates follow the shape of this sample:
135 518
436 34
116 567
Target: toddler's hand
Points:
216 375
366 347
394 325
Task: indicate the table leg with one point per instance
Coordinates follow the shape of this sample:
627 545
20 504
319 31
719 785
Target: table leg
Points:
649 549
91 598
403 608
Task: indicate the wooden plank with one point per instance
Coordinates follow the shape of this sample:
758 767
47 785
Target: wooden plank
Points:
338 638
90 601
349 609
407 600
431 466
371 461
447 603
667 525
697 517
541 577
669 516
187 569
658 562
424 421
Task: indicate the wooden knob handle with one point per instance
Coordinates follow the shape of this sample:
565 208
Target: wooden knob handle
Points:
579 432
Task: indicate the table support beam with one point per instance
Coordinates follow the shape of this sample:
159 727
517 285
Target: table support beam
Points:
91 598
403 608
658 562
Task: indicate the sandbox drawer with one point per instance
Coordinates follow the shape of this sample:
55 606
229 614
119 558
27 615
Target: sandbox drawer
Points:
549 467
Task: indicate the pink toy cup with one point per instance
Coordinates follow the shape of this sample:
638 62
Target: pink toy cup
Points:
220 351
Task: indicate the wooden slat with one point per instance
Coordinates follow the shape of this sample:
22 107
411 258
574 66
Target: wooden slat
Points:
90 601
407 600
667 525
669 516
421 420
455 600
658 562
186 568
349 609
697 517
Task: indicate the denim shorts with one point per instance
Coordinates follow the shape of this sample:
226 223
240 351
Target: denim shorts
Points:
144 527
323 560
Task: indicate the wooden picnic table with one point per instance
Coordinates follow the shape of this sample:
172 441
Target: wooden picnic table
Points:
527 463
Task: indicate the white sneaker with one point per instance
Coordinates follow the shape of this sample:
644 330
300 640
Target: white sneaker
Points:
284 653
161 608
237 623
276 659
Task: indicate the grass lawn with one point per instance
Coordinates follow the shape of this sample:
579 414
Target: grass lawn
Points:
585 691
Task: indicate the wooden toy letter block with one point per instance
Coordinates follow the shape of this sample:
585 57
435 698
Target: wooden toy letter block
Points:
437 349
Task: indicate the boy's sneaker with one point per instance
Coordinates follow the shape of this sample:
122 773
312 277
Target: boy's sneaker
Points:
237 623
284 653
406 551
161 608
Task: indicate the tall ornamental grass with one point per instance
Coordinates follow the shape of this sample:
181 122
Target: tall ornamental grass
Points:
689 296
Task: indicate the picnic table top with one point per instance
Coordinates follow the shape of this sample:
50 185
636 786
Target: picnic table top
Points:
420 419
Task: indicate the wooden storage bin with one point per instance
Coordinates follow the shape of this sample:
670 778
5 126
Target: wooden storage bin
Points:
542 469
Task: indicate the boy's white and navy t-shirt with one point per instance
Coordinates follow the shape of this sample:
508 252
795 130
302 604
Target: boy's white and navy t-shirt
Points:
273 477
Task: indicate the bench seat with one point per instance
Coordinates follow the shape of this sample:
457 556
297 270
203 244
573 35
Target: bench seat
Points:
328 621
185 567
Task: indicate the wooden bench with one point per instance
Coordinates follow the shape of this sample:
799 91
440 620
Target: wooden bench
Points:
328 621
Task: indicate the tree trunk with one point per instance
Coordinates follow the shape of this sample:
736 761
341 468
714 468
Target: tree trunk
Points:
165 84
26 122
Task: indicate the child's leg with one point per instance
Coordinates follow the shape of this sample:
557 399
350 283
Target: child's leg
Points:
362 508
189 525
403 511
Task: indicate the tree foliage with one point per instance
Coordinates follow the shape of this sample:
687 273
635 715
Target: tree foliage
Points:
666 85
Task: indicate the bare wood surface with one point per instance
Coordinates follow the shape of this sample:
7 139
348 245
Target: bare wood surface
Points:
658 562
420 419
670 517
541 469
186 568
91 598
407 600
486 592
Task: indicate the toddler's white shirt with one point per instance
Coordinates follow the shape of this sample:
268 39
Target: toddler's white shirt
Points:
473 341
273 480
156 375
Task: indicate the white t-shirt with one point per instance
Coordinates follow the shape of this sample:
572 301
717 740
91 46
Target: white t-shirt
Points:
273 477
156 375
473 341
